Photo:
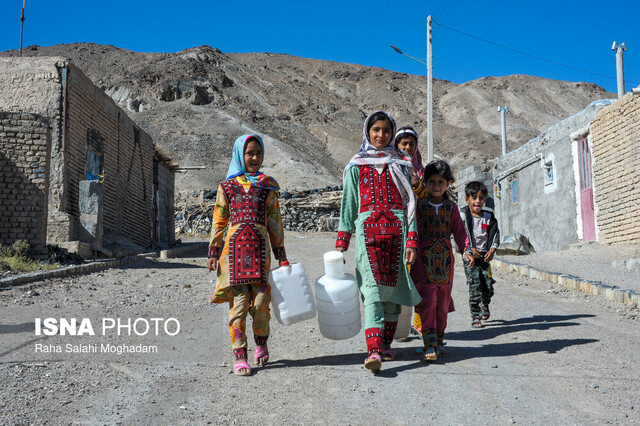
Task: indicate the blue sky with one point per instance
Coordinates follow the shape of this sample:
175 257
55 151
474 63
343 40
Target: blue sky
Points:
578 34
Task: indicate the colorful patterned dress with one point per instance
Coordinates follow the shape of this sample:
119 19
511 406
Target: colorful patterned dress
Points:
372 206
433 269
250 215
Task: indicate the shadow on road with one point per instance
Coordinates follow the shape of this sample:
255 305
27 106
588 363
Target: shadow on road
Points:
494 328
405 354
325 360
460 353
25 327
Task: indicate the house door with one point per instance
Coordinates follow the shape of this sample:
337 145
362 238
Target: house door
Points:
586 192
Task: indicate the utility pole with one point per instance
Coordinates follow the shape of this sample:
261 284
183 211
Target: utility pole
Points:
429 92
619 48
22 25
503 122
429 65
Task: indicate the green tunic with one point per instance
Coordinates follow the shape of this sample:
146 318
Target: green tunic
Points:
385 252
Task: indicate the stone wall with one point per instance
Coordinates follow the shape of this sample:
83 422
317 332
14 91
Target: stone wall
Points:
25 143
615 136
527 201
306 212
34 85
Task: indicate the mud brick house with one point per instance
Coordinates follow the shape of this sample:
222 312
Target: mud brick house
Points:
539 188
614 136
75 167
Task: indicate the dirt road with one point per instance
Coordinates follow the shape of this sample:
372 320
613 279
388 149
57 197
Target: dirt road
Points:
547 356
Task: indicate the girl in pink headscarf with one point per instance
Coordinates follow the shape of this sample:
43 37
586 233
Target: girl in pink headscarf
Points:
406 139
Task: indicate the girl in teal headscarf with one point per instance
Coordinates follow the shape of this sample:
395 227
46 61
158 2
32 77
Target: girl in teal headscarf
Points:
247 209
238 167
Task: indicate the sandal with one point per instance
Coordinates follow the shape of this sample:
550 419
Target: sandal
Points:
485 312
261 356
430 354
241 368
373 362
476 323
415 330
388 354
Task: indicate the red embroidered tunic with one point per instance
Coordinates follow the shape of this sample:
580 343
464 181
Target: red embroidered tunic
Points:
372 207
250 216
436 225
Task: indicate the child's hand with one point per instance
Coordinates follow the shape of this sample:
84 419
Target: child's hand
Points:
341 249
414 179
212 263
489 255
410 255
475 253
470 260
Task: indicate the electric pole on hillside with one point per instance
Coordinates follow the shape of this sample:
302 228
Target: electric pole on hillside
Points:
22 25
429 65
429 93
619 48
503 123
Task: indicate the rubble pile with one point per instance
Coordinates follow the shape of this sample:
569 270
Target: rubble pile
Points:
303 211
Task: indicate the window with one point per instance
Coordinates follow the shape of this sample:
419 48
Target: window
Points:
514 191
95 144
548 172
94 166
550 175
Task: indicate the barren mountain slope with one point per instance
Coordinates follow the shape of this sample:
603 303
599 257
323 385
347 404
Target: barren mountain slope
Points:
310 112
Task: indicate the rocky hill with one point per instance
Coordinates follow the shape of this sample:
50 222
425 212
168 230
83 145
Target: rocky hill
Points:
196 102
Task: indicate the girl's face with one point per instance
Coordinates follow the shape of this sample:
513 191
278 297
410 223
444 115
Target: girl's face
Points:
408 145
380 134
252 156
436 187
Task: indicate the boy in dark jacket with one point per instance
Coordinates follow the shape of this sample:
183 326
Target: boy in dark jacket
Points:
484 238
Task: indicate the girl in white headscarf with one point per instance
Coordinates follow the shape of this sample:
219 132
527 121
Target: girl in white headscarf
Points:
378 203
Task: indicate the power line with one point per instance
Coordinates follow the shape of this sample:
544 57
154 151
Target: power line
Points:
528 54
444 18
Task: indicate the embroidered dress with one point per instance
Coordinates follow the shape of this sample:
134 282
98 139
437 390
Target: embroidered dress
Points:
379 206
250 215
433 269
372 208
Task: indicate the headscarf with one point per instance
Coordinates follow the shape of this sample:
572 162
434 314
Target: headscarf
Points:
416 158
237 166
398 162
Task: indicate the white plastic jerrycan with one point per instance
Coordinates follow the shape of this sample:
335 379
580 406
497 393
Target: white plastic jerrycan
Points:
338 300
291 296
404 322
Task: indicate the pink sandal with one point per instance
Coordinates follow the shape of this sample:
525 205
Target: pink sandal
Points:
373 362
241 365
261 356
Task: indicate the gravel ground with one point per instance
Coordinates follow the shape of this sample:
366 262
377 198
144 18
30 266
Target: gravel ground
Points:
591 262
548 355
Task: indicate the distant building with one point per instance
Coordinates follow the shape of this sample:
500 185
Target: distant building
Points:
74 166
541 190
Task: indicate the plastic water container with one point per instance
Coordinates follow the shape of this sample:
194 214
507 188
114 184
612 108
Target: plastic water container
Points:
291 296
404 322
337 299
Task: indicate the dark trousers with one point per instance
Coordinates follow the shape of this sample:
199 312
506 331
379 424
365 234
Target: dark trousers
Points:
480 285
